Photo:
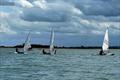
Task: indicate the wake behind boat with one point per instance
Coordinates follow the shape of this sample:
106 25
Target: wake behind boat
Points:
51 50
105 46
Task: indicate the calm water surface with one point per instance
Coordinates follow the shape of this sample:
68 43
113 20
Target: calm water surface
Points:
67 64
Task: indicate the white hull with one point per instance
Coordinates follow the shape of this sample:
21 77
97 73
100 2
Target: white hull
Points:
109 54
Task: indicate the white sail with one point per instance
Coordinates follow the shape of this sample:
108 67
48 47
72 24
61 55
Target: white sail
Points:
105 45
27 44
52 41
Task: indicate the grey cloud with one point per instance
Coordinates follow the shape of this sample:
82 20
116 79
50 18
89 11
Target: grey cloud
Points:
54 12
98 7
35 14
101 18
88 7
100 10
6 3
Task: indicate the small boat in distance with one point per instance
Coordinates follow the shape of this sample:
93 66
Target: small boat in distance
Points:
51 50
27 45
105 46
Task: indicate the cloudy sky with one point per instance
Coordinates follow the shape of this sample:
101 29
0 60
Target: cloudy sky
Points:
76 22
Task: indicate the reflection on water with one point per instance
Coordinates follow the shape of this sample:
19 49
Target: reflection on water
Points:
67 64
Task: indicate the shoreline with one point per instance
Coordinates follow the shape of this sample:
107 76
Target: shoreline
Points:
60 47
66 47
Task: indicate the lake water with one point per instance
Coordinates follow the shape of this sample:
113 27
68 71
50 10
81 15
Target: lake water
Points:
67 64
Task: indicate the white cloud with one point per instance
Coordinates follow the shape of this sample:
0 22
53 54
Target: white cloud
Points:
6 29
23 3
3 14
39 3
4 25
84 21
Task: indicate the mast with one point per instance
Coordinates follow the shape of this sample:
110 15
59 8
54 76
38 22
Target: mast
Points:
105 45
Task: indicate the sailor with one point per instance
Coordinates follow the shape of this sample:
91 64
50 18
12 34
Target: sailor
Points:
17 50
101 52
55 51
43 51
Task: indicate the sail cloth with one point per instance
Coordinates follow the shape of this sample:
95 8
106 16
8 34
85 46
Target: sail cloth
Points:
105 45
27 44
51 51
52 41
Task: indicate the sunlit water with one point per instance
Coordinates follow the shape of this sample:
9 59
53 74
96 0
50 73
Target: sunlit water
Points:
67 64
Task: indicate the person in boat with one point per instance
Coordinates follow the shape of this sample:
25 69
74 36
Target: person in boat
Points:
102 52
55 51
17 51
45 52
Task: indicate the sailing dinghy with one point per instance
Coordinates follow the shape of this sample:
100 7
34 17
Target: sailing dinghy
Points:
105 46
51 50
27 45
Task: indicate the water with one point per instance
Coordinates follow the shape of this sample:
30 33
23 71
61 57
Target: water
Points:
67 64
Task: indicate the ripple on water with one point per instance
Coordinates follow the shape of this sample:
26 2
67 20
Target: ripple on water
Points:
65 65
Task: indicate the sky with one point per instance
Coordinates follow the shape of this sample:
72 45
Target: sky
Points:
76 22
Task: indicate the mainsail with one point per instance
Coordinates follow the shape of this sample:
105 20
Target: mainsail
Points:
105 45
52 41
27 44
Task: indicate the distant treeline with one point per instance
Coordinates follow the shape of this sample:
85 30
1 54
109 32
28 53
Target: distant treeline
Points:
47 46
